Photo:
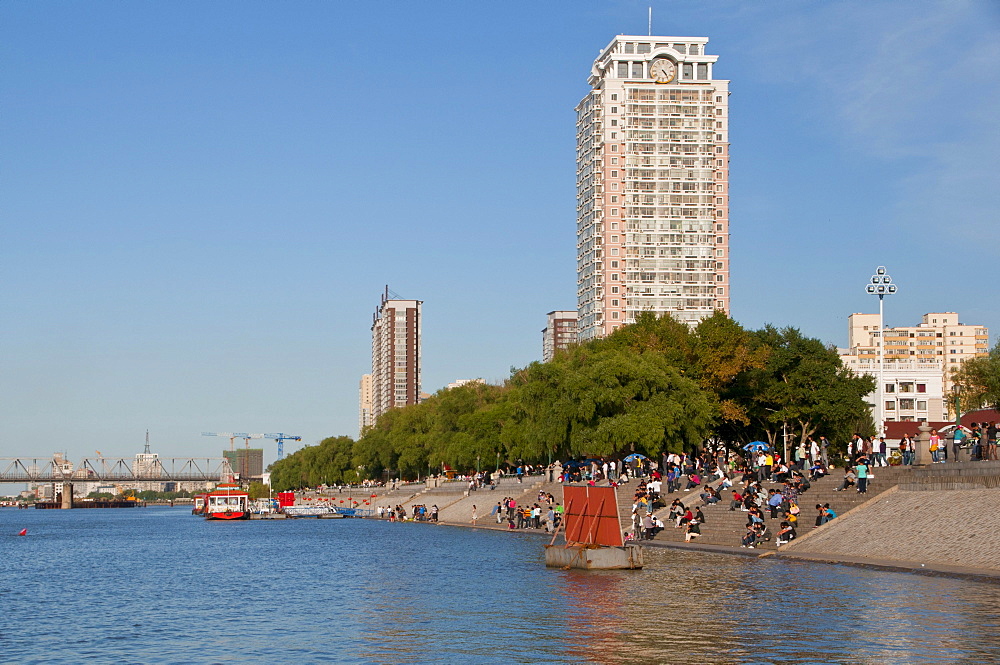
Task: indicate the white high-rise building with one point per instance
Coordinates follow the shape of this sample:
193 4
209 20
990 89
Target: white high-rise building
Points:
652 184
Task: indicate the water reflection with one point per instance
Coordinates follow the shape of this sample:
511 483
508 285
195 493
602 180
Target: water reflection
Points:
356 591
699 608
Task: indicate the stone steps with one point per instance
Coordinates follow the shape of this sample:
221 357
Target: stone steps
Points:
725 527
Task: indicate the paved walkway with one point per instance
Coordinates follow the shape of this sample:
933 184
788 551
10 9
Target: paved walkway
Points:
949 528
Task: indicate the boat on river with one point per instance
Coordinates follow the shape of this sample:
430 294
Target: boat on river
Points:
593 533
199 504
227 502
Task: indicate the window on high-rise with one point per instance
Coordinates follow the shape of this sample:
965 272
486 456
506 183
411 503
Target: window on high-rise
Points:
637 70
622 70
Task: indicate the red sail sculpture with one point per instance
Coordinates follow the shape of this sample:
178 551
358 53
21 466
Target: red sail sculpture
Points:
592 516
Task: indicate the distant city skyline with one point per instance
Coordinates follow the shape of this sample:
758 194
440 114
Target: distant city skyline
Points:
201 199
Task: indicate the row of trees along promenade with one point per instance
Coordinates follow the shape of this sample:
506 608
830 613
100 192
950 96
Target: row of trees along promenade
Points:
650 387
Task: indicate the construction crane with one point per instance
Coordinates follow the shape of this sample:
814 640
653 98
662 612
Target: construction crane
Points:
279 438
233 436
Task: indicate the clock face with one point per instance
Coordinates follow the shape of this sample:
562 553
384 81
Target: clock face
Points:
663 70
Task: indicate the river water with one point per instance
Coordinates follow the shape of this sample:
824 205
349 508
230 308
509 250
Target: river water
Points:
156 585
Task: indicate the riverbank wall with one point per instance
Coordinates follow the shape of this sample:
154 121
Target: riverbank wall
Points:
938 519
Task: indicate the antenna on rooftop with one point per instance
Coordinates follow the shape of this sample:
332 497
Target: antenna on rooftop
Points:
147 442
650 21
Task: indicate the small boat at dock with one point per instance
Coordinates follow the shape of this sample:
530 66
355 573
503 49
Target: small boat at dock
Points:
227 502
199 504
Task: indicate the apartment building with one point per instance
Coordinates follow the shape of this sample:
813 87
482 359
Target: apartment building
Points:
559 332
917 361
396 364
652 184
365 403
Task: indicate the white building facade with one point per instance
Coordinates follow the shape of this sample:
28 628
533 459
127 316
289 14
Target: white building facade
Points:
652 185
917 361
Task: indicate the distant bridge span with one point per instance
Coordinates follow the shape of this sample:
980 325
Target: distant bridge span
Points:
108 469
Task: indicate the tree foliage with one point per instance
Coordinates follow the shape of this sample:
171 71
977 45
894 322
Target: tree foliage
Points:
979 379
657 385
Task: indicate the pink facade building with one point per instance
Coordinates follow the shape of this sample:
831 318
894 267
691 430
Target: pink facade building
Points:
652 185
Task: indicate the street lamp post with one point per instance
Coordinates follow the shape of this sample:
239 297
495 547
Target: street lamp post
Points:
881 285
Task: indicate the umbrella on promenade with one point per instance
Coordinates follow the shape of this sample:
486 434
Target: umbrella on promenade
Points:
634 456
756 445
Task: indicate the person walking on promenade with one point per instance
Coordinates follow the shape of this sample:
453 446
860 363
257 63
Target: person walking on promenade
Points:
824 447
958 438
474 516
935 447
856 448
862 471
905 445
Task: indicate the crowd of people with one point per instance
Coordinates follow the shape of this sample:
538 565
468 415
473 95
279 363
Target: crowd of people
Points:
758 482
534 516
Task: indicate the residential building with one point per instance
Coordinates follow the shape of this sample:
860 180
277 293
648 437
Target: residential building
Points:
396 362
246 463
559 332
912 390
652 184
923 357
462 382
365 399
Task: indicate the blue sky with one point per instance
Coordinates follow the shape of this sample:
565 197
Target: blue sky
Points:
200 203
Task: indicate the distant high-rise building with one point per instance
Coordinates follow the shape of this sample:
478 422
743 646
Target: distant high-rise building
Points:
559 332
365 399
246 462
395 354
652 164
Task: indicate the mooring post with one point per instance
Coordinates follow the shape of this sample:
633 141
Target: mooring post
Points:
921 452
67 496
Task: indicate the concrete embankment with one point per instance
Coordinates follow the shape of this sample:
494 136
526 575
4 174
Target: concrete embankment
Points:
931 531
952 531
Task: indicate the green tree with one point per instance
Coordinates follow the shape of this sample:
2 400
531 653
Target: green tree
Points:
604 399
805 385
258 490
979 379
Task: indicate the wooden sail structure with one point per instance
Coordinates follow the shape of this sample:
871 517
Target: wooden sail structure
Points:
593 532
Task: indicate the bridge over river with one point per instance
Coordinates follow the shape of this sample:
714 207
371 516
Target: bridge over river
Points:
119 470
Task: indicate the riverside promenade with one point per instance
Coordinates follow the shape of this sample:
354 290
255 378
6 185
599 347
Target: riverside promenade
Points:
938 519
